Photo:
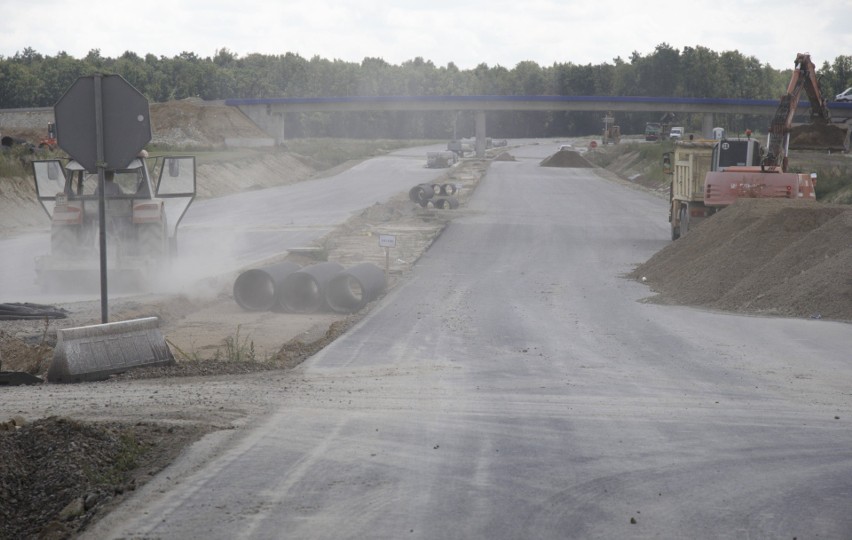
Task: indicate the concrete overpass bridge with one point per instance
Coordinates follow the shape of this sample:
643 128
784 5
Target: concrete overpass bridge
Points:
269 113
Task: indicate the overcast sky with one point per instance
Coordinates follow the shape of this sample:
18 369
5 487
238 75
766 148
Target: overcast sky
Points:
465 32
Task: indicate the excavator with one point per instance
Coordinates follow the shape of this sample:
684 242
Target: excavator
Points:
819 134
765 172
708 175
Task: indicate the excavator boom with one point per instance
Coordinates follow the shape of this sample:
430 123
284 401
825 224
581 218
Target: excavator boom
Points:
819 134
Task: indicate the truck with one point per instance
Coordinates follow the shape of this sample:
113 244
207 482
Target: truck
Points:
142 218
708 175
653 131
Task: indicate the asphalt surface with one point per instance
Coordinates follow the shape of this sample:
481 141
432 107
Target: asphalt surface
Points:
517 387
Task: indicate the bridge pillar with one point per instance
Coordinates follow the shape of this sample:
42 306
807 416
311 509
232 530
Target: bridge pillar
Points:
272 122
480 133
707 126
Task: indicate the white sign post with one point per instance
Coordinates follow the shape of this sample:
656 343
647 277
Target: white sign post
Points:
387 241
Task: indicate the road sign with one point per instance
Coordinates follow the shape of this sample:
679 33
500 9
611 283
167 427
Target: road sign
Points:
125 117
387 240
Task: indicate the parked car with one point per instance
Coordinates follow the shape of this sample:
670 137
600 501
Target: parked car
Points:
846 95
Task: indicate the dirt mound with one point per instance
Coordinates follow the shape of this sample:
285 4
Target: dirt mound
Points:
192 123
48 481
819 137
505 156
566 158
769 257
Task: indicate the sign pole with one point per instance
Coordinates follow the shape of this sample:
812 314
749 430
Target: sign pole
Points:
387 241
99 157
387 263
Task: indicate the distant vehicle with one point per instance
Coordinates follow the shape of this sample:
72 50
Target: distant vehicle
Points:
566 147
49 142
676 133
652 131
439 160
846 95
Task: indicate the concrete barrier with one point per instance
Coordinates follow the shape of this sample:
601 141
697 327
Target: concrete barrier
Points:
93 353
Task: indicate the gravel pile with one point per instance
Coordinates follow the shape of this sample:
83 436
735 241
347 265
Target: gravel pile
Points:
566 158
759 256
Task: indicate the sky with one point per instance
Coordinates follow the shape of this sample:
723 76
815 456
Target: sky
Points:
464 32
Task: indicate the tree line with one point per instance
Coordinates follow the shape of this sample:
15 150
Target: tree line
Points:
30 79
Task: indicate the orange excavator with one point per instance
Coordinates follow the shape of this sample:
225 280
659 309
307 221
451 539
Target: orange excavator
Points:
819 134
764 173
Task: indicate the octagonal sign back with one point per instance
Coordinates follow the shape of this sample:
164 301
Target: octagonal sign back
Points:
126 121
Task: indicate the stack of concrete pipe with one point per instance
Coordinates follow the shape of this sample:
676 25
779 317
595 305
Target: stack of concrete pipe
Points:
326 286
439 195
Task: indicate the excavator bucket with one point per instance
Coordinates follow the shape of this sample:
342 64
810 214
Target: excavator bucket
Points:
93 353
820 137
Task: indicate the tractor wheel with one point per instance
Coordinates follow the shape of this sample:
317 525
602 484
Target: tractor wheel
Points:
684 220
151 240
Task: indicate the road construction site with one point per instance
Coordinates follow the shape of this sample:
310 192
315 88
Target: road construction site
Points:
765 258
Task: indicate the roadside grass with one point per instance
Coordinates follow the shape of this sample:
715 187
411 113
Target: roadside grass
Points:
235 348
15 161
321 153
124 462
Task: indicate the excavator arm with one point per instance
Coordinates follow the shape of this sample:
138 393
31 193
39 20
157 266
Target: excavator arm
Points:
804 78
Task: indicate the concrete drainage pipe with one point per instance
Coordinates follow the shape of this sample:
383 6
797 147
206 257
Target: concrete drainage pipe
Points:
446 203
354 288
421 193
304 291
255 289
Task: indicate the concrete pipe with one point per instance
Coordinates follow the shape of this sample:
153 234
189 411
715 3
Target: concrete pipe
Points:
255 289
421 193
304 291
414 194
446 203
354 288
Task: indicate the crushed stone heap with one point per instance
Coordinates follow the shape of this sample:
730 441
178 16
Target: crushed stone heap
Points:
767 257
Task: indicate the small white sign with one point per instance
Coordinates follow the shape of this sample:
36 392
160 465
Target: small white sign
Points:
387 240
